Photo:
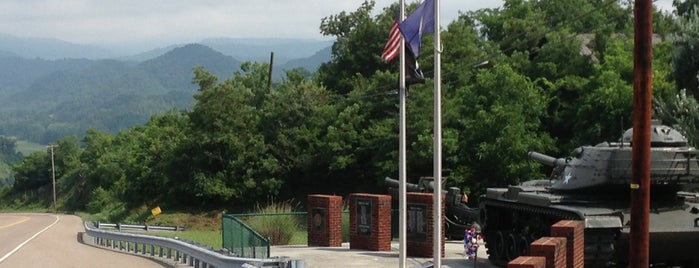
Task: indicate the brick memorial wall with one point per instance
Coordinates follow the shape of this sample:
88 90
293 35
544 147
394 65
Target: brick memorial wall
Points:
324 219
420 225
370 222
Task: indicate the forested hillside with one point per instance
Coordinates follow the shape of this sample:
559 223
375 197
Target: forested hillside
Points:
559 75
45 100
67 97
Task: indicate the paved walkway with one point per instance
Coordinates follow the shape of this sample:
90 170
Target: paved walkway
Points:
315 257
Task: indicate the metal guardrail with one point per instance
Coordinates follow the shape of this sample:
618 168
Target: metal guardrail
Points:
122 226
179 251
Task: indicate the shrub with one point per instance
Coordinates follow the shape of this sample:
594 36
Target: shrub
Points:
275 221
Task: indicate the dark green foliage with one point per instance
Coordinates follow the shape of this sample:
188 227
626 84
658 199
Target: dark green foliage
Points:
686 61
8 150
32 172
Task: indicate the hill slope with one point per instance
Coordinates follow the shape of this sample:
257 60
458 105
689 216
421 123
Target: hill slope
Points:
69 97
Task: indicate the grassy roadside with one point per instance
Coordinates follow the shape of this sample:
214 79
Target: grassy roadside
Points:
279 222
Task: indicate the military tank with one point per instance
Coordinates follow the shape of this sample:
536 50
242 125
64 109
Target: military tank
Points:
458 216
593 185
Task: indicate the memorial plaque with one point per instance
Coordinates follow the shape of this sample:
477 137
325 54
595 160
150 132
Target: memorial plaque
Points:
318 218
417 222
364 216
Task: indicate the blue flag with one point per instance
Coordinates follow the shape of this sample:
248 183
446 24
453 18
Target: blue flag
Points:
420 22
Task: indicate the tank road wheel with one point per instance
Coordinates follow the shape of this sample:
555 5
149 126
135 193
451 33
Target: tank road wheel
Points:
523 245
499 245
512 250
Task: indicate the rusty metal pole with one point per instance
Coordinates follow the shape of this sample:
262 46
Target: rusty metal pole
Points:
640 174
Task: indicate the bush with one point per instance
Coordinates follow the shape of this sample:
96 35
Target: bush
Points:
275 221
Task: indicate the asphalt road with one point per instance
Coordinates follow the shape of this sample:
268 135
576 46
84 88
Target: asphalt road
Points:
51 240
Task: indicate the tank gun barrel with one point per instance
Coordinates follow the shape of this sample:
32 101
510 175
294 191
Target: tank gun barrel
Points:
547 160
410 187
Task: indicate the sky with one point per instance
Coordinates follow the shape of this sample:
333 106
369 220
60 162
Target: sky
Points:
162 22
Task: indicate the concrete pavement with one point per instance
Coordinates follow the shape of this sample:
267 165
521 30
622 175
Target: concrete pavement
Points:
315 257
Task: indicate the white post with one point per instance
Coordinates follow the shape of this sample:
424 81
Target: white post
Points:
437 139
402 168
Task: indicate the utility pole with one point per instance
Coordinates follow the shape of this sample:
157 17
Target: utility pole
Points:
271 65
53 174
640 160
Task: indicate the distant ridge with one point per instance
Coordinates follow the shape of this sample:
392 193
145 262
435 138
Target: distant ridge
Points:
174 68
259 49
242 49
46 98
71 96
50 49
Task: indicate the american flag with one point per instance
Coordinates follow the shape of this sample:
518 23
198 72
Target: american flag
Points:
393 44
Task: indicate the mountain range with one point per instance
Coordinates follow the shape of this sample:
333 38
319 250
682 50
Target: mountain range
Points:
50 89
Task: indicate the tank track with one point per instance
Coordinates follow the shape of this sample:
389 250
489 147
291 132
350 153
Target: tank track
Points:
515 226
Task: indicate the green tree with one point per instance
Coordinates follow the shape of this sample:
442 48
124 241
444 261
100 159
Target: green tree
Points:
497 119
32 172
229 160
147 154
686 62
681 112
8 150
356 51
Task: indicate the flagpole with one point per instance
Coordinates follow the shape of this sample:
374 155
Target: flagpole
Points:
402 169
437 139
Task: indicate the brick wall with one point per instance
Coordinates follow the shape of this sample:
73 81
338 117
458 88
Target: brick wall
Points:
553 248
564 248
420 225
324 220
528 262
574 232
370 222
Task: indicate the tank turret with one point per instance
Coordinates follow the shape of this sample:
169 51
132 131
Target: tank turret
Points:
607 166
592 185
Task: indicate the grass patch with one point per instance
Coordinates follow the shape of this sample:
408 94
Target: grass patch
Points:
208 221
206 238
26 148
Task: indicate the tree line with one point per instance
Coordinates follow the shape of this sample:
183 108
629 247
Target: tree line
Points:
559 75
